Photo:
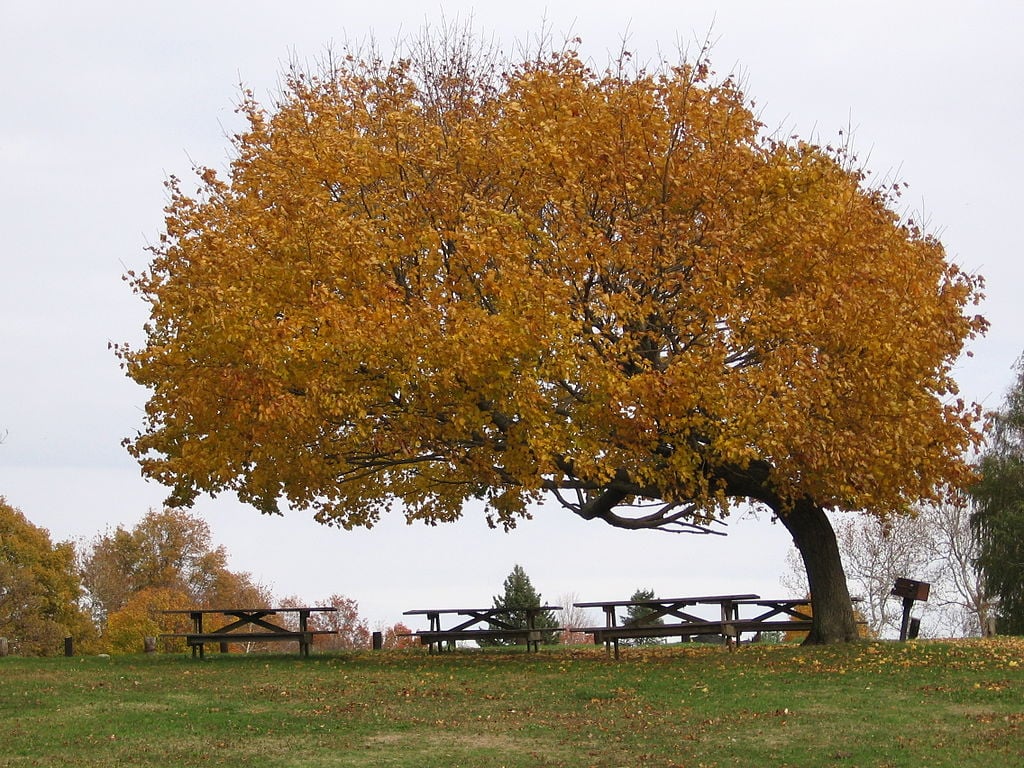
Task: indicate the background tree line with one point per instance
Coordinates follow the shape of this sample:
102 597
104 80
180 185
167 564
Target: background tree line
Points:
40 587
107 593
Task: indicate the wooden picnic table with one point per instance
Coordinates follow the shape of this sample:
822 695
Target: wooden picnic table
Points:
498 622
250 625
771 615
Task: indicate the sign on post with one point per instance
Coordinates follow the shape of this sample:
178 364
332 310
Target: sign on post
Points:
910 590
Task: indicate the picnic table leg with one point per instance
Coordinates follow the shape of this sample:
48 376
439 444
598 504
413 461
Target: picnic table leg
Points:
303 623
725 618
197 625
730 613
609 621
434 620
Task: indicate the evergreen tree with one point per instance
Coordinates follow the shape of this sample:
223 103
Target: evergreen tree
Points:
639 615
998 520
519 595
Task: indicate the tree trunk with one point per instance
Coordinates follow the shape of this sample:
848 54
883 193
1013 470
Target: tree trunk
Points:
816 541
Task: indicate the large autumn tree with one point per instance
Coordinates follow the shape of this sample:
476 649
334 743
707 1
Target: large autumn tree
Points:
440 280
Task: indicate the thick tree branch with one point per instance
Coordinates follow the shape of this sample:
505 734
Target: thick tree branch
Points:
605 502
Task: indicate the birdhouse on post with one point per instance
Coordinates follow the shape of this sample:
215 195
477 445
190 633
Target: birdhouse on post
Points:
911 591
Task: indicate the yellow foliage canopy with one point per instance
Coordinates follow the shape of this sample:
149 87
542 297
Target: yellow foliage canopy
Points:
439 284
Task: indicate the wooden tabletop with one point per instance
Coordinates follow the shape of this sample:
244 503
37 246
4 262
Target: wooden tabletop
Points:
491 610
317 609
669 601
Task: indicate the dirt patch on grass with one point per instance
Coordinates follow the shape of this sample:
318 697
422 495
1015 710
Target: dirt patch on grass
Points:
418 748
435 741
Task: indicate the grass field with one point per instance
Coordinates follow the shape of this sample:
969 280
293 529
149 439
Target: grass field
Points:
919 704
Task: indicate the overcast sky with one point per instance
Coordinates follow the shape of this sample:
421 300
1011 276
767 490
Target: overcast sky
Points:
101 101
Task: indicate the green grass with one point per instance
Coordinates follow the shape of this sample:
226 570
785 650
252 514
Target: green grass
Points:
885 704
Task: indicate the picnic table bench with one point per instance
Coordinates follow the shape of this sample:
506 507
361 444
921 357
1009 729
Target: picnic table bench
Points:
770 615
249 626
481 624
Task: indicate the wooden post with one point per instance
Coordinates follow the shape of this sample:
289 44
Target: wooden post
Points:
5 648
908 604
915 629
378 640
149 644
69 646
